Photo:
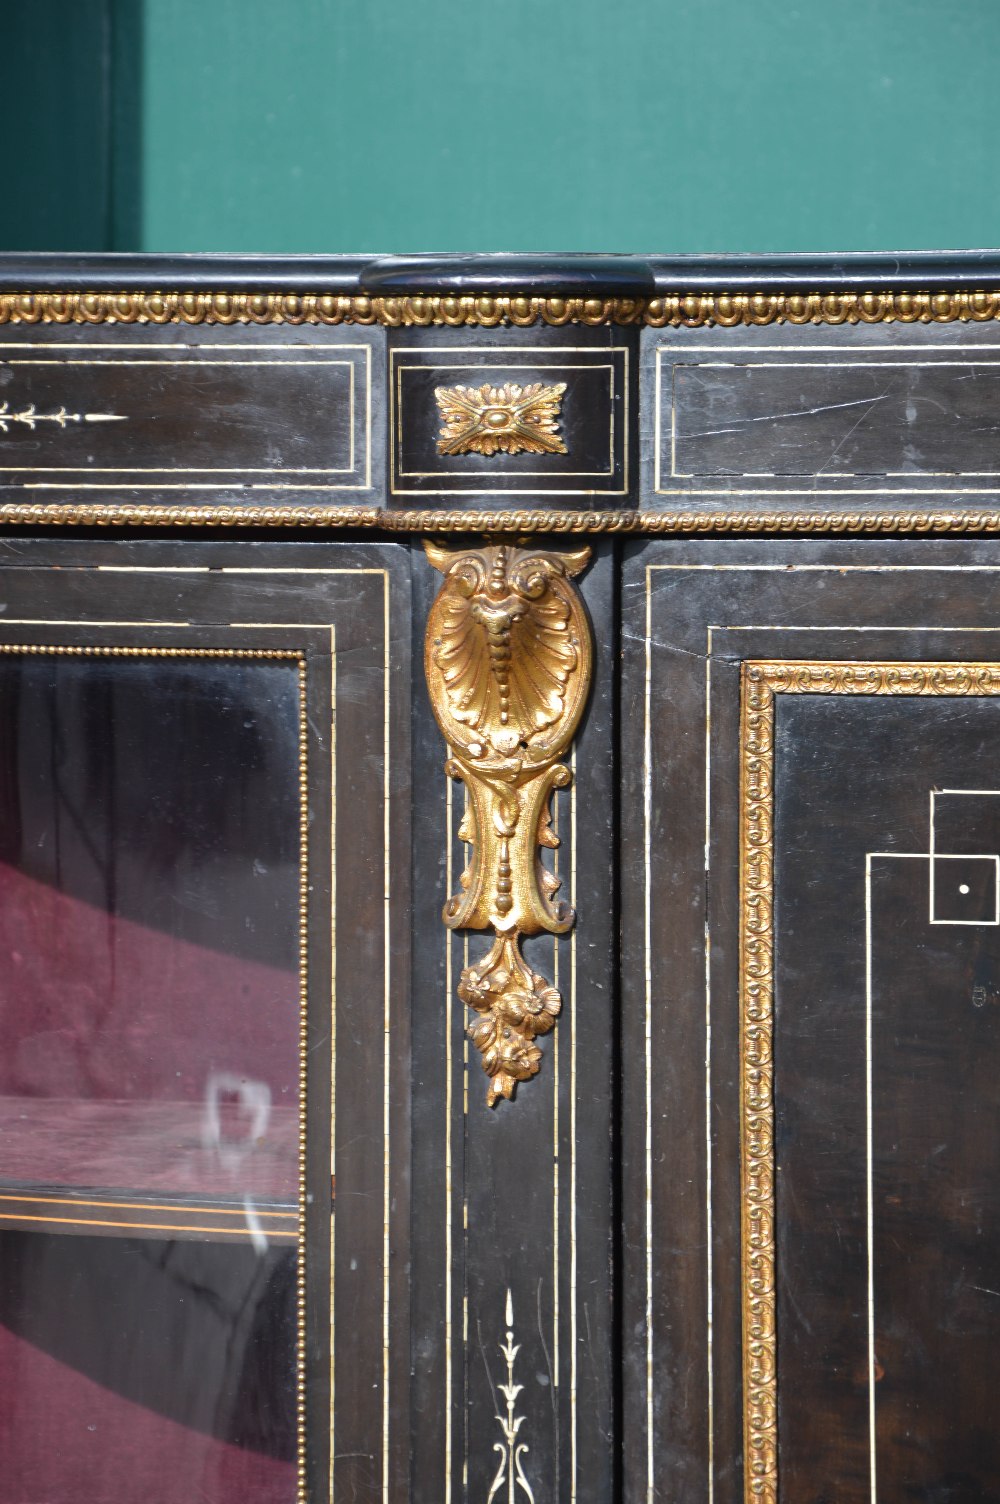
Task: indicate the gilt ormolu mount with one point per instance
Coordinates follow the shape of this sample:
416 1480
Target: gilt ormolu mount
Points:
511 419
508 660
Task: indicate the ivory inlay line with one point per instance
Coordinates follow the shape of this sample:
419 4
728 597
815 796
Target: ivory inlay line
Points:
29 417
333 1028
647 798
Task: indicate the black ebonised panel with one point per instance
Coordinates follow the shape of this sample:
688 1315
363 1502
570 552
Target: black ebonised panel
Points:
345 608
908 417
520 1197
125 417
843 417
875 942
597 367
191 415
853 775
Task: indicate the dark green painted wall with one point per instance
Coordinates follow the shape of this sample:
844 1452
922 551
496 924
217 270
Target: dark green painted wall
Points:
70 100
390 125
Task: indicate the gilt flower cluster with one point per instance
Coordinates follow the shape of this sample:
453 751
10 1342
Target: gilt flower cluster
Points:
514 1005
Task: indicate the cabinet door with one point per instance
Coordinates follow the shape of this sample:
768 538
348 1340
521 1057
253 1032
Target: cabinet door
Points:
204 1015
262 1235
812 1021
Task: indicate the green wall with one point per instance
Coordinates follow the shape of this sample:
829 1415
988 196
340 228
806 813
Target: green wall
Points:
450 125
70 87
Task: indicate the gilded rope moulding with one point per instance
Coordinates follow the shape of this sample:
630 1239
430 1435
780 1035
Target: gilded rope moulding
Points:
512 521
508 661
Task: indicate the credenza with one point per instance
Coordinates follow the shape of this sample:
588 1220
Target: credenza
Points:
500 880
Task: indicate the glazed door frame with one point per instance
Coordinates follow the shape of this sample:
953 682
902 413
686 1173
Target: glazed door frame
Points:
341 613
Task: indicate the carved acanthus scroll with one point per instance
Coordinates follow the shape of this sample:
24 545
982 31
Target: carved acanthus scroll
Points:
508 660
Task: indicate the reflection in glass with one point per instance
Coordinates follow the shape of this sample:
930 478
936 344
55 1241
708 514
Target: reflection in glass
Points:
149 1010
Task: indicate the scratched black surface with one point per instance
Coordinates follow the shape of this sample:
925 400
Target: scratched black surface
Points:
194 415
753 419
858 418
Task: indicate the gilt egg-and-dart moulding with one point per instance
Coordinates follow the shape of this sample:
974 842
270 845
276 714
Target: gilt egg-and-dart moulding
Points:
508 419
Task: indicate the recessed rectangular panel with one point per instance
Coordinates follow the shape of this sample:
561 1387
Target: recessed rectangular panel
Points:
809 1067
150 1011
856 416
197 416
584 449
898 416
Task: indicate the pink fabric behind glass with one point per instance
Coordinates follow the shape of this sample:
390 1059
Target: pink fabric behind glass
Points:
65 1437
138 1051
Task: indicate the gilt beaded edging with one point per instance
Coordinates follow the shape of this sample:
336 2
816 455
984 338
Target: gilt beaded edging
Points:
487 310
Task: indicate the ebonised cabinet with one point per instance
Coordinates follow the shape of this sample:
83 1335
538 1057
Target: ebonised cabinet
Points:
499 880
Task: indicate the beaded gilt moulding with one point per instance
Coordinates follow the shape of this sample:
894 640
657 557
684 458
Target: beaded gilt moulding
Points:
489 311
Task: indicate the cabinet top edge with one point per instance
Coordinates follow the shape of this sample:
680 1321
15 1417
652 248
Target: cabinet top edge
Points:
570 275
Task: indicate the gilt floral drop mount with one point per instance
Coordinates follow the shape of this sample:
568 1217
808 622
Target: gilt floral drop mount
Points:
508 660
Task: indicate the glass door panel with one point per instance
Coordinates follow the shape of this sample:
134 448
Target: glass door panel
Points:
150 1001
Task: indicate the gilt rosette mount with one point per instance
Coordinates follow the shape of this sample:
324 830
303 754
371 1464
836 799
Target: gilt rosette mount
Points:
508 419
508 659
